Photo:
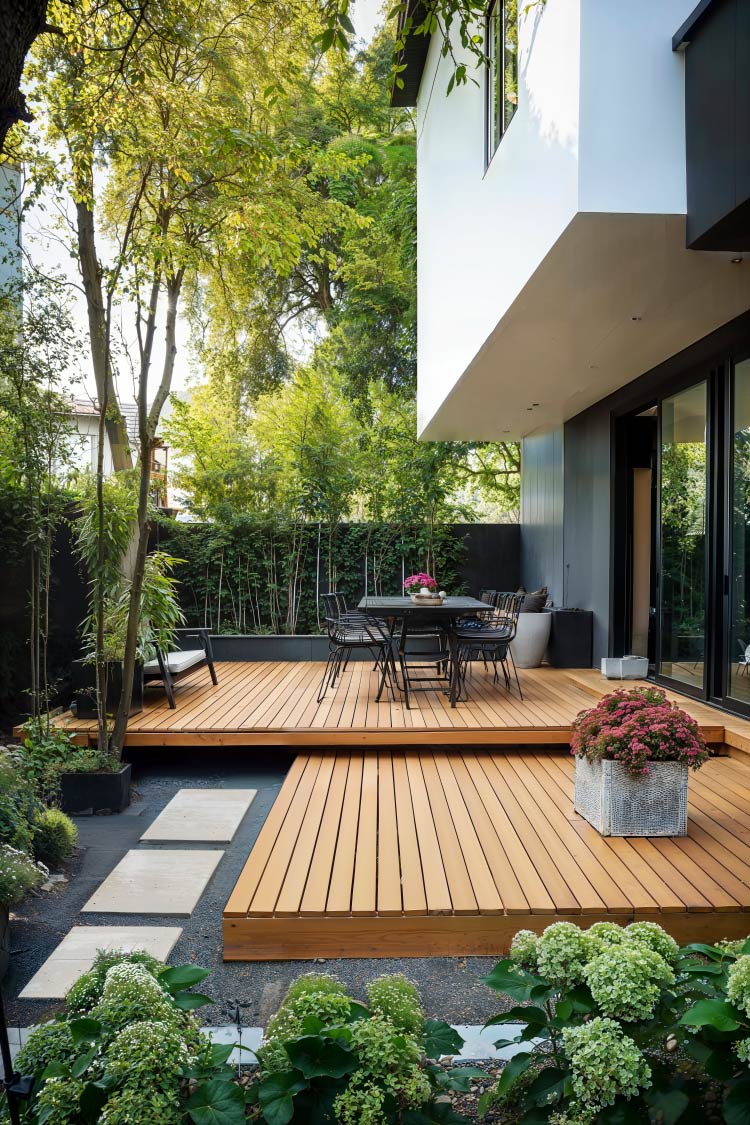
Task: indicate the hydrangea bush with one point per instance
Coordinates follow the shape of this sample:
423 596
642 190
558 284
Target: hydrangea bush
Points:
638 727
622 1025
327 1058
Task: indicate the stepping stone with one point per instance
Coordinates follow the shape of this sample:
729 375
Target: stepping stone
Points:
155 881
76 952
210 816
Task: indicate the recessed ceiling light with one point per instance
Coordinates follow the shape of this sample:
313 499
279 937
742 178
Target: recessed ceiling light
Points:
635 318
737 261
535 404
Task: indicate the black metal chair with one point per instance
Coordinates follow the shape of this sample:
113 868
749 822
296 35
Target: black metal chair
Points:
491 641
350 631
168 667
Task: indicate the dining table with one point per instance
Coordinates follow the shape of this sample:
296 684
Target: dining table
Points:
414 615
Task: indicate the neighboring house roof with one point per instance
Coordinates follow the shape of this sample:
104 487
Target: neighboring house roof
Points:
413 56
83 408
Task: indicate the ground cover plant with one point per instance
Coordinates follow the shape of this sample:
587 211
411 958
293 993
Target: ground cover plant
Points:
621 1025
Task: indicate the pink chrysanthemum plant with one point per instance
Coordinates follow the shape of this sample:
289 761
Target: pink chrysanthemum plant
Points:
638 727
416 582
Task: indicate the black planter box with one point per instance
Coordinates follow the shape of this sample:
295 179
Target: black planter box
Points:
95 792
84 693
571 638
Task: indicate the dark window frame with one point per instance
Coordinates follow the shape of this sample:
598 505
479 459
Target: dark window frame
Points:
495 123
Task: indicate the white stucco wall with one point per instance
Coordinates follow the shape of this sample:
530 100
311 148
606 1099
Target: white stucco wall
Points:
481 234
599 130
10 226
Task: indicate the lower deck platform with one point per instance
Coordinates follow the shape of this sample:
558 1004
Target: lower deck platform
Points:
416 852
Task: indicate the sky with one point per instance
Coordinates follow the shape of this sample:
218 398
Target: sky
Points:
47 250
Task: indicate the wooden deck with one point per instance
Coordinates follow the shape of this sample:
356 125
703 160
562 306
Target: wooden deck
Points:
414 852
274 704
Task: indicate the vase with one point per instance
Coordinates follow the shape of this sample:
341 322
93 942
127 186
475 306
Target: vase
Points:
619 803
532 636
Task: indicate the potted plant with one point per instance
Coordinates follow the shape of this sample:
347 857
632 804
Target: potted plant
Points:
633 751
532 630
160 615
80 779
423 589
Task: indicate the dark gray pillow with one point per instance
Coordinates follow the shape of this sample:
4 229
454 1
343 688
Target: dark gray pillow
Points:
535 601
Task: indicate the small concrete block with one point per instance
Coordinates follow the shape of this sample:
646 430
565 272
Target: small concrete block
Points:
479 1042
76 952
210 816
155 881
250 1038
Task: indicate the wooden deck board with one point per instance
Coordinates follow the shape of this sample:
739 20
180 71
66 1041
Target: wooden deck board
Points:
274 703
420 851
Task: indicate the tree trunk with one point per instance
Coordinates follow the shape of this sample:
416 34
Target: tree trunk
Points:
99 333
21 21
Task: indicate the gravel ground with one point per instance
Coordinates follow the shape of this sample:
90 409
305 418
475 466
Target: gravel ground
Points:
450 986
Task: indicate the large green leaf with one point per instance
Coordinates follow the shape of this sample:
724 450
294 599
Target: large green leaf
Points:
182 976
711 951
276 1094
189 1001
509 979
547 1087
93 1098
459 1078
85 1030
83 1062
712 1013
513 1070
217 1103
316 1056
669 1104
441 1039
737 1103
527 1013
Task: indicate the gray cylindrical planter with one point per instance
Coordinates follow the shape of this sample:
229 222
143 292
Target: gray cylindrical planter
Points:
4 940
532 637
619 803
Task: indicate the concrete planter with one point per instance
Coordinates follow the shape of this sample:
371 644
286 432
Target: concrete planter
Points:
619 803
532 637
4 940
82 793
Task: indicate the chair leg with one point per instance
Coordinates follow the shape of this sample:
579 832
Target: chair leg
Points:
515 672
405 678
169 688
327 674
382 663
212 670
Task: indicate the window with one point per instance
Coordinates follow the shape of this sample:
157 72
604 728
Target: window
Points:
502 72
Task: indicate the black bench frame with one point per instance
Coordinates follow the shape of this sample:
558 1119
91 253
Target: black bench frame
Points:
169 678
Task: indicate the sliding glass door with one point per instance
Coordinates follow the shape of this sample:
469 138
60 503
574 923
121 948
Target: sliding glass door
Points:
738 655
683 548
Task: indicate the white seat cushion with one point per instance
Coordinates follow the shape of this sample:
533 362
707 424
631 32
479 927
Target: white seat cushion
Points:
178 661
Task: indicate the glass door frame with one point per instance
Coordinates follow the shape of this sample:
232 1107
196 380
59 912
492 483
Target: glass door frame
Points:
724 595
693 379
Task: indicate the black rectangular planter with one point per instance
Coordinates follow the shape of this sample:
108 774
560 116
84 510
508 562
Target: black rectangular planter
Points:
82 793
84 694
571 638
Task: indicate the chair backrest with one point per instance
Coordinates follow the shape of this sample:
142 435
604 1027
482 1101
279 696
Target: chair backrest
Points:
507 607
488 596
335 604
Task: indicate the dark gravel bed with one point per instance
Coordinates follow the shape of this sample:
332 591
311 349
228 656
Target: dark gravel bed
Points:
450 986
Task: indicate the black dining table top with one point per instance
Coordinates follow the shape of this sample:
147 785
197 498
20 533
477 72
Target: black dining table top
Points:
396 606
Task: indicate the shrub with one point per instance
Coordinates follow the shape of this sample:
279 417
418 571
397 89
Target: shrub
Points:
646 1031
89 988
55 837
18 874
326 1057
18 805
134 1106
50 1043
131 993
636 728
59 1101
148 1053
398 999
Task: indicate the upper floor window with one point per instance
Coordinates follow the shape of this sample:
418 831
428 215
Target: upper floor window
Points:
502 72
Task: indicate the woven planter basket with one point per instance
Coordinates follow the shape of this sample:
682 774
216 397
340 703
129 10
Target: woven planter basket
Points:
619 803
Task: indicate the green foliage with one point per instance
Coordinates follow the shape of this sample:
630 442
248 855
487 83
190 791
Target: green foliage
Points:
19 873
55 837
397 999
89 988
47 751
48 1043
131 993
327 1058
19 807
627 1028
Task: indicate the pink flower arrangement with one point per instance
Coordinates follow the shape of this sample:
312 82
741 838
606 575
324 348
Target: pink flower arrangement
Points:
636 728
415 582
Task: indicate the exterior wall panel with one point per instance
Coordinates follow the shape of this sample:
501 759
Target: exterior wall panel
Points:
542 513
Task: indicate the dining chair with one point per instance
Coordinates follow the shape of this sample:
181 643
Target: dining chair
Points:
352 631
491 641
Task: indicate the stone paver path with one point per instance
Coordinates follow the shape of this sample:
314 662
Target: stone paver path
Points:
208 816
155 881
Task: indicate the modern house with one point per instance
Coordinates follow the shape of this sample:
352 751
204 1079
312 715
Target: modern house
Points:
85 449
584 287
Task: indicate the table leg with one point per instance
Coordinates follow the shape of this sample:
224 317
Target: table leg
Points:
402 658
454 670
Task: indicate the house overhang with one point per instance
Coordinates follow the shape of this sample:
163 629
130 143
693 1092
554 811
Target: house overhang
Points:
413 58
616 295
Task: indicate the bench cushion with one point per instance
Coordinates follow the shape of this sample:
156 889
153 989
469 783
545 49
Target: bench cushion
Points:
177 661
